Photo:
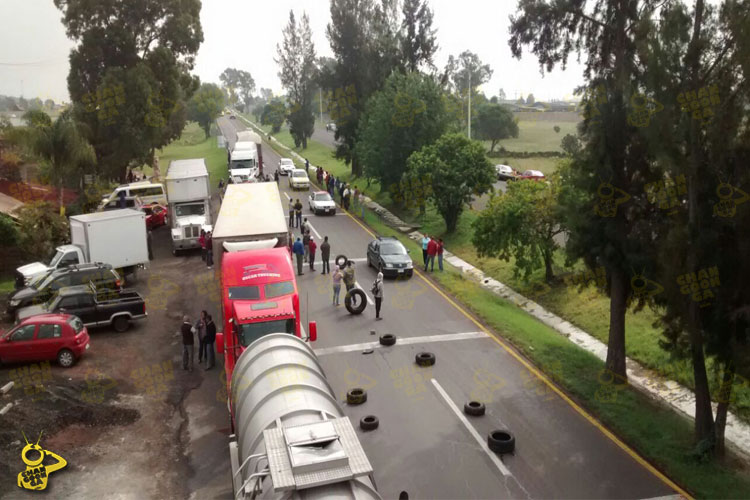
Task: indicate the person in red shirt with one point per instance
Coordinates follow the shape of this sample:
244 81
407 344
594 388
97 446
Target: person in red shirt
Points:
440 253
202 243
313 246
431 252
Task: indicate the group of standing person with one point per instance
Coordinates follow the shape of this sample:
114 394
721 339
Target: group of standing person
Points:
206 241
432 248
205 328
347 195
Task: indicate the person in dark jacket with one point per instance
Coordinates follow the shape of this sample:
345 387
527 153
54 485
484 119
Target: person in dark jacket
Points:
209 342
149 241
298 212
306 244
299 251
312 246
209 250
325 254
188 347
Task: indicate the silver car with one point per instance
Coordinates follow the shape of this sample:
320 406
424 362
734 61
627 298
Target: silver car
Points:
321 202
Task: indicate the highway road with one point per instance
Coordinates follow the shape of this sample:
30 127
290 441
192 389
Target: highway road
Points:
425 445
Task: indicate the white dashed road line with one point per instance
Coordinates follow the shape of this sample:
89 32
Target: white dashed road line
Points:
402 341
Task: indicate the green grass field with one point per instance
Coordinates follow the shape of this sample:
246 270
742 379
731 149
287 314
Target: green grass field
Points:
193 144
537 135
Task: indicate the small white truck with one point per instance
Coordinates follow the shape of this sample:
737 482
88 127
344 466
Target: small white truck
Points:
115 237
189 198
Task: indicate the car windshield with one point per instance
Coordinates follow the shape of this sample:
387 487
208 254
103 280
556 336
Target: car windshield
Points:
242 164
299 173
251 332
392 249
323 197
55 259
76 323
278 289
194 209
285 161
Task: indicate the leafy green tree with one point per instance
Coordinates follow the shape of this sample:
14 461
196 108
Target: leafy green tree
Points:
8 231
205 106
49 104
466 71
37 118
522 224
418 41
495 122
530 99
556 128
399 120
41 229
570 144
456 169
296 58
240 84
273 114
62 146
129 74
501 95
258 111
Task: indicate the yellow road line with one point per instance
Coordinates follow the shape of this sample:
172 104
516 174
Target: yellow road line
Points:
549 383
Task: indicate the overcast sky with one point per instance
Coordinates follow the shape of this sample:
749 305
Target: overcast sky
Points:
243 34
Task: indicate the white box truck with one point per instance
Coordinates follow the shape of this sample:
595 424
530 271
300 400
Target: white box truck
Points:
251 217
115 237
189 198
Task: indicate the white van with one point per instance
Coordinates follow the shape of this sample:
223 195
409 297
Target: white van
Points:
148 192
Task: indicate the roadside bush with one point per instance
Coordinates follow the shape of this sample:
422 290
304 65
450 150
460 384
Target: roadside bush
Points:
8 231
41 229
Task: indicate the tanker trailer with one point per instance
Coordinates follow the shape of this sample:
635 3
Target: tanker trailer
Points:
292 439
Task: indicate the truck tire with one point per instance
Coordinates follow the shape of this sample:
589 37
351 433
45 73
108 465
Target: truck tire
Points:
356 396
65 358
338 257
425 359
387 339
369 423
361 301
501 441
474 408
121 324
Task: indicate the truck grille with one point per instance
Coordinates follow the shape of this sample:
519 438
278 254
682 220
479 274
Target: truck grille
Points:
192 231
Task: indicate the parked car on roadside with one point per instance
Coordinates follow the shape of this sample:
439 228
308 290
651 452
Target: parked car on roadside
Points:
321 202
390 256
534 175
298 179
54 337
331 127
95 308
506 173
286 166
156 215
43 289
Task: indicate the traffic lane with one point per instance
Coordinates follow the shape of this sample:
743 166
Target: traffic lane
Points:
229 129
420 445
324 136
558 454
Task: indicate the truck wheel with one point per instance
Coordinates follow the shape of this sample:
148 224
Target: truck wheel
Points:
339 257
121 324
65 358
355 306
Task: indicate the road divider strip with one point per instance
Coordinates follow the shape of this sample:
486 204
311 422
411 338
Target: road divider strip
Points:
403 341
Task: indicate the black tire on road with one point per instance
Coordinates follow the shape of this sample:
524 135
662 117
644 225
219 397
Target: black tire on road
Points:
425 359
338 257
356 396
121 324
387 339
369 423
474 408
501 441
361 301
65 358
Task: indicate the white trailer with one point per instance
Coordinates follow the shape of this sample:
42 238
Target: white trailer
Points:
189 197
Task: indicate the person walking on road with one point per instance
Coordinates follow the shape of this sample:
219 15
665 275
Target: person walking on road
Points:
425 242
325 254
377 292
276 176
291 213
299 251
440 253
307 166
188 348
209 250
431 252
210 339
337 277
349 279
298 212
149 244
200 327
305 226
313 246
306 244
202 243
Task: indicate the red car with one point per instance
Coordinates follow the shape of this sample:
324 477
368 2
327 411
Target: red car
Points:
60 337
534 175
156 215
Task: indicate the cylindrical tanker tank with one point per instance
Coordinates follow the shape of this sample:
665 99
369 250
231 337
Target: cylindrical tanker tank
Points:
292 439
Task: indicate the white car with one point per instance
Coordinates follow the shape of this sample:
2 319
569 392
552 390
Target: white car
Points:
298 179
321 202
505 173
286 165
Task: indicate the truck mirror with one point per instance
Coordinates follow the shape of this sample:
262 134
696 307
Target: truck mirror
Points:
312 327
220 342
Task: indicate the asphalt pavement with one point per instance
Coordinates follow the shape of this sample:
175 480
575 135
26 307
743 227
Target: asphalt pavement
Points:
425 444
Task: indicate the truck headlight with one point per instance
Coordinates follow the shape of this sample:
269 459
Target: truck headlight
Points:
388 265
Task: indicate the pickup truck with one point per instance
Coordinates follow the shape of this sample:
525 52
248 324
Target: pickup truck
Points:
94 308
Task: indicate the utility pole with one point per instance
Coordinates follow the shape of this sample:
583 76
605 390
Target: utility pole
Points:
320 102
469 120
